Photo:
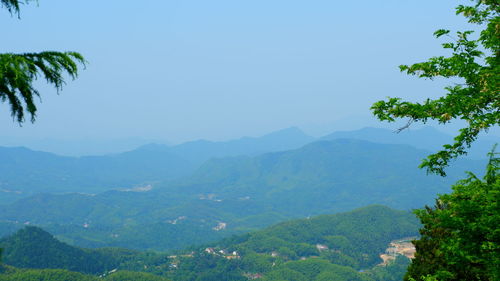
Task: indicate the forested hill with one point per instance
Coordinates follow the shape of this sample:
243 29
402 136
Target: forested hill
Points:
357 238
32 247
327 247
333 175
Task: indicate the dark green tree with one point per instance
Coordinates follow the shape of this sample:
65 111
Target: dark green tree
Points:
19 71
476 100
461 234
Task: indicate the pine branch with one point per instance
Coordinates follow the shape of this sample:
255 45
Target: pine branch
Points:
13 6
19 71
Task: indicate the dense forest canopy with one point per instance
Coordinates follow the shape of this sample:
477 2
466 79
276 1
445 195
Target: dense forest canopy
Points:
461 234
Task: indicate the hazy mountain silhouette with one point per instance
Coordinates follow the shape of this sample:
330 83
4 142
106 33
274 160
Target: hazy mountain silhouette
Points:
27 171
427 138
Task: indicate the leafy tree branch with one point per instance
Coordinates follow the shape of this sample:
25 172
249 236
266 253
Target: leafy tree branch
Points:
476 101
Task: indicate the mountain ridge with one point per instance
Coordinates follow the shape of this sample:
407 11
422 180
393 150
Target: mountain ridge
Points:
234 195
25 171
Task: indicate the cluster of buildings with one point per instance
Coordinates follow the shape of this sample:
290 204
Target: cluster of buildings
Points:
223 253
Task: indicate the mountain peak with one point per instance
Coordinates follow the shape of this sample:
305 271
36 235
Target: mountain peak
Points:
424 138
153 147
287 131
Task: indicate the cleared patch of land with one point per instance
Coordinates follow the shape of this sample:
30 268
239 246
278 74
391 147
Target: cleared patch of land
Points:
398 247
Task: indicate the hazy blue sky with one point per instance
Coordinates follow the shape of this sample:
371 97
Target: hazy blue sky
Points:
182 70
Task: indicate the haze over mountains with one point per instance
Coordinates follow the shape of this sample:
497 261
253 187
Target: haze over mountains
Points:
196 198
163 198
426 138
30 172
78 147
26 172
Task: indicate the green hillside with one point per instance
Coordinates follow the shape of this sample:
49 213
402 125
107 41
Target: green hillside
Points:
343 246
335 175
32 247
360 236
14 274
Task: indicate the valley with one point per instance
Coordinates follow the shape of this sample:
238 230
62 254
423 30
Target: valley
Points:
345 245
250 140
254 216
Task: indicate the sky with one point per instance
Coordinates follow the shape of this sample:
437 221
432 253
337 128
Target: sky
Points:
221 69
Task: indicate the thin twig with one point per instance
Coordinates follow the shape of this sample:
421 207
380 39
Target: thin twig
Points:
408 124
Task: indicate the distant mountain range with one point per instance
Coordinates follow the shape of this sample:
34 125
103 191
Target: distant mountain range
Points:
237 194
24 172
426 138
202 150
29 172
78 147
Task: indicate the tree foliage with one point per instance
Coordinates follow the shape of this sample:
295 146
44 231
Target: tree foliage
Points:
460 238
475 62
19 71
461 234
